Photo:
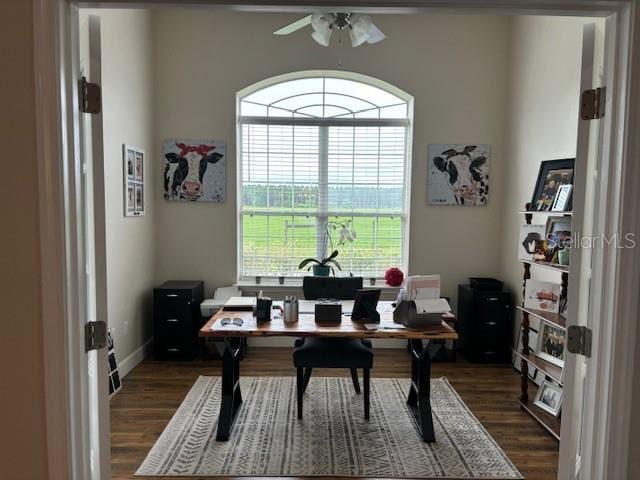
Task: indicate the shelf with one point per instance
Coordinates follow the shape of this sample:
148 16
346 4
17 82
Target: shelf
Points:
548 368
554 319
559 214
548 265
549 422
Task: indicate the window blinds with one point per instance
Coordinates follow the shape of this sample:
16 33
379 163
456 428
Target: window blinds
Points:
296 179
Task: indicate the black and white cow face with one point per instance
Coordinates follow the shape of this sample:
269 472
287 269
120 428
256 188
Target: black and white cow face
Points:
184 172
466 174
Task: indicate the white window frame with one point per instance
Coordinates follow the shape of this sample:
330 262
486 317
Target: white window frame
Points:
407 122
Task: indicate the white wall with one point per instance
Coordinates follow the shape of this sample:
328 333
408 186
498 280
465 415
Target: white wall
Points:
454 66
128 117
544 81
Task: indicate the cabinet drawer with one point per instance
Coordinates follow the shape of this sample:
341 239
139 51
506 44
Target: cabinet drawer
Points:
173 295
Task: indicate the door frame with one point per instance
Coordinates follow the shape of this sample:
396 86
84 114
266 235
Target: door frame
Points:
56 139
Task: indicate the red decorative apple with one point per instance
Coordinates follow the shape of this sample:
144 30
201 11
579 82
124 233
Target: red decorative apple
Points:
393 277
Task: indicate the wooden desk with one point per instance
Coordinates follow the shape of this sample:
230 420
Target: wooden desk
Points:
418 397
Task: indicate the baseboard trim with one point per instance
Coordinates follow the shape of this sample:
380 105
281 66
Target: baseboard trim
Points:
130 362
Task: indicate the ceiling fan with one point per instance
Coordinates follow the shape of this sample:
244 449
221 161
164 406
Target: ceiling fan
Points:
361 28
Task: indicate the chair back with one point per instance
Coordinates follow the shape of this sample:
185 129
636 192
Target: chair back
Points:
340 288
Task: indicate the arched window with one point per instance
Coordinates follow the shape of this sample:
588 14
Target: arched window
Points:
324 164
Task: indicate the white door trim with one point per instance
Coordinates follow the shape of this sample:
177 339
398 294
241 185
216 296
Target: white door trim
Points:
56 149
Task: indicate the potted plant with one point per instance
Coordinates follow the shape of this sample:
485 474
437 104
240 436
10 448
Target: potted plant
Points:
322 267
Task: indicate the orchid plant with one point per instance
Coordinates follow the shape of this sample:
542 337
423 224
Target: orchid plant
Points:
346 234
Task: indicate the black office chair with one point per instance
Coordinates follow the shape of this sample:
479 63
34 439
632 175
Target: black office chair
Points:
351 353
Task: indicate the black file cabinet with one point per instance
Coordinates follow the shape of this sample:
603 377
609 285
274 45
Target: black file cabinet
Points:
176 316
484 325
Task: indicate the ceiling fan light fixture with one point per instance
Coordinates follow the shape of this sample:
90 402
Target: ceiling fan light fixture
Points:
357 38
321 22
322 37
360 26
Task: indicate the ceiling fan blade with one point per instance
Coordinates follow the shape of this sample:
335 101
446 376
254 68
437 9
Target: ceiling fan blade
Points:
375 34
292 27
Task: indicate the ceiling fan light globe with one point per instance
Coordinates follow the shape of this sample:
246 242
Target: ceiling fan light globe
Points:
361 23
320 22
322 37
358 38
375 35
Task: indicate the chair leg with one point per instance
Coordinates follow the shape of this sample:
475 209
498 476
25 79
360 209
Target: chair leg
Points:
307 377
300 390
354 377
366 379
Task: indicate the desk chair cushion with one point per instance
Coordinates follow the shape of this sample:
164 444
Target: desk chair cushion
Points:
367 343
333 353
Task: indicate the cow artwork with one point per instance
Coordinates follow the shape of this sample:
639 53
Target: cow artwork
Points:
194 170
458 174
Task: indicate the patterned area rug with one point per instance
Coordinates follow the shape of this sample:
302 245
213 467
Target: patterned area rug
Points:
333 439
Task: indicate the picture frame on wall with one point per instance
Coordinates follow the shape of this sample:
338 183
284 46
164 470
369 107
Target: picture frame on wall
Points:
549 398
551 344
133 179
552 175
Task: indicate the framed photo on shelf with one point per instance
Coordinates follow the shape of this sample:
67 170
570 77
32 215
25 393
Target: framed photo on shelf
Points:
549 398
530 238
133 179
563 199
540 295
552 175
551 344
559 231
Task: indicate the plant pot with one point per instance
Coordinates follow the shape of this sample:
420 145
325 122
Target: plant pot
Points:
321 270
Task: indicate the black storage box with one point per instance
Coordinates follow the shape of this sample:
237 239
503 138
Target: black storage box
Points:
484 284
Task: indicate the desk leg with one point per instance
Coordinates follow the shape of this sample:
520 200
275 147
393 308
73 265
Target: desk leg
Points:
419 398
231 395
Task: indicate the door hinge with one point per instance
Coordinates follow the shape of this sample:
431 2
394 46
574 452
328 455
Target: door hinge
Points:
579 340
592 103
90 97
95 335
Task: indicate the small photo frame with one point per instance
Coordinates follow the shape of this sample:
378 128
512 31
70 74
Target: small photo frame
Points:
552 175
133 180
139 200
530 237
558 234
139 168
541 295
549 398
563 199
130 200
551 344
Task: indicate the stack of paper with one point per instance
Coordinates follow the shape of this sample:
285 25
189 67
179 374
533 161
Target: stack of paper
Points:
432 305
423 286
240 303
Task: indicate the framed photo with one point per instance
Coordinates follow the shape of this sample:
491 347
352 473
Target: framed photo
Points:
551 344
549 398
552 175
559 232
563 199
540 295
139 167
133 179
530 237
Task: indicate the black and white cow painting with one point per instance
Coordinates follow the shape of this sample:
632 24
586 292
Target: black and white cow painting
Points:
458 174
194 170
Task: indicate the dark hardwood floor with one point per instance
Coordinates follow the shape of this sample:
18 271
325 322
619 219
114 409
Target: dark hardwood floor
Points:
153 391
